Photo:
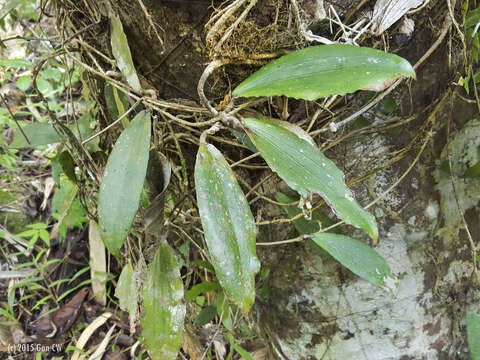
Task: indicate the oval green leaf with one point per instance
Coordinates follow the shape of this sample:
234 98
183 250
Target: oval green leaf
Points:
162 323
15 63
228 224
122 183
306 170
473 335
201 288
37 134
359 258
324 70
122 54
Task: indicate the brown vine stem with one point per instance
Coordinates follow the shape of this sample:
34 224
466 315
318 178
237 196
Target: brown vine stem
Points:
203 138
201 84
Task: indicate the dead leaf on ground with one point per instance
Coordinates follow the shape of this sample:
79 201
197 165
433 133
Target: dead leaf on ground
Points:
49 186
11 334
60 321
88 332
98 264
192 346
388 12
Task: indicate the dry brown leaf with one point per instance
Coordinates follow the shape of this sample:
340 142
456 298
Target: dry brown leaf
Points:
98 264
97 355
49 186
191 345
60 321
11 334
260 354
388 12
88 332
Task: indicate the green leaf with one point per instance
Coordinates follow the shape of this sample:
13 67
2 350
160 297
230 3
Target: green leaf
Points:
66 208
387 106
162 323
473 335
44 133
228 224
242 352
359 258
116 105
244 139
127 293
8 6
223 311
206 315
37 133
82 131
121 52
473 17
15 63
67 164
201 289
122 183
320 71
23 82
473 171
306 170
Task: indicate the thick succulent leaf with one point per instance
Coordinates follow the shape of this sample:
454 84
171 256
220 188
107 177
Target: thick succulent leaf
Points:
127 293
162 323
122 183
473 335
325 70
37 134
359 258
228 224
306 170
121 52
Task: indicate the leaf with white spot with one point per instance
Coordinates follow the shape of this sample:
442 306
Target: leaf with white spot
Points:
228 224
320 71
122 182
162 322
306 170
359 258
